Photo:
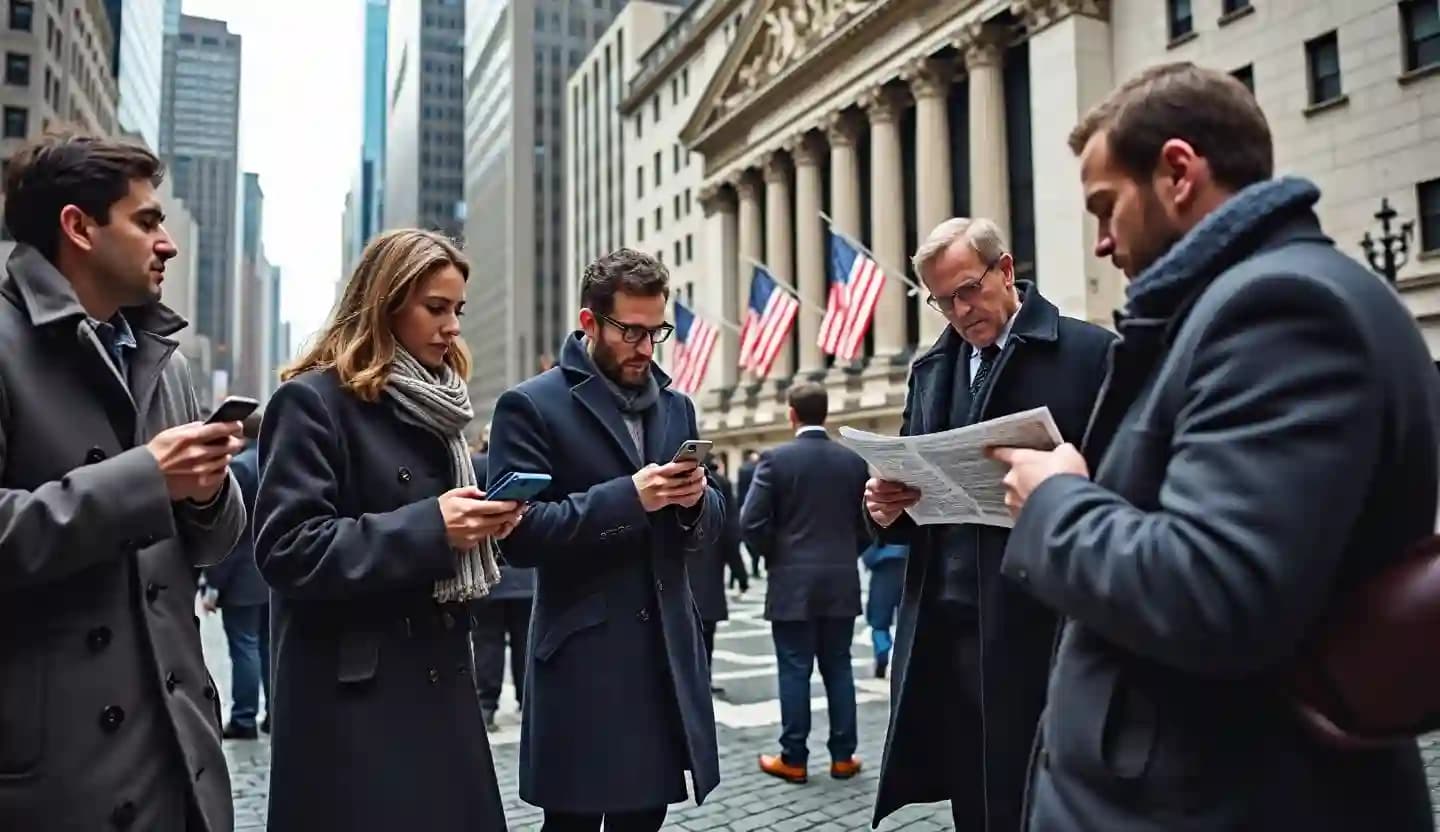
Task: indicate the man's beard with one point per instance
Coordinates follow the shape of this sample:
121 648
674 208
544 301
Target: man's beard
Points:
1158 236
607 362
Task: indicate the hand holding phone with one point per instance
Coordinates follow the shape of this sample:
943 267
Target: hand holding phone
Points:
519 487
233 409
693 450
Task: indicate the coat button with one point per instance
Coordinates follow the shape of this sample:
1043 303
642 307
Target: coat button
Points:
643 615
152 591
208 692
434 676
171 682
1022 575
403 474
98 639
111 717
94 455
124 815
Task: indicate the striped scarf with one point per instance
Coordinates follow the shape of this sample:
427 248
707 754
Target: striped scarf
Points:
441 405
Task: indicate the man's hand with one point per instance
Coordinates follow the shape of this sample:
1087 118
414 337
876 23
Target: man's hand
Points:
674 483
195 458
885 500
1030 468
470 518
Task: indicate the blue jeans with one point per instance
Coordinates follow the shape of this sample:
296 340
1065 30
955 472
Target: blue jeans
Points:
798 646
247 629
887 582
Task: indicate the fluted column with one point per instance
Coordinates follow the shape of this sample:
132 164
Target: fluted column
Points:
887 217
842 131
984 48
809 248
747 187
722 230
780 242
935 199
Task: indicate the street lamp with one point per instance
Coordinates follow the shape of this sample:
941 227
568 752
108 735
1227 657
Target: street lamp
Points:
1394 248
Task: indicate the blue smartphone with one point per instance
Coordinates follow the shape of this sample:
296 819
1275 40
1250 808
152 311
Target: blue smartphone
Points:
519 487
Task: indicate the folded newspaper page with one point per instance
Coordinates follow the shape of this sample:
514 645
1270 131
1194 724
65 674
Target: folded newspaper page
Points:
957 482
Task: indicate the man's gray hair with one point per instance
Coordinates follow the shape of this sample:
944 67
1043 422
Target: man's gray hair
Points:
982 234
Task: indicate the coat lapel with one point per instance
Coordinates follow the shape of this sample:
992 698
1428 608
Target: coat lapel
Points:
657 428
934 373
597 398
152 354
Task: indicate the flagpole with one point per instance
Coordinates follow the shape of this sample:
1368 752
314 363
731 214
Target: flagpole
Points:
813 307
915 288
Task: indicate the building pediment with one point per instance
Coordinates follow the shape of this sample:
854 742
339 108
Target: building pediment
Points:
778 37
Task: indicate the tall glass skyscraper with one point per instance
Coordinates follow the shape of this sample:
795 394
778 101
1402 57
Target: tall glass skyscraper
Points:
137 61
372 152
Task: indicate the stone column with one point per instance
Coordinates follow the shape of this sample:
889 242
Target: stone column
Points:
809 248
722 232
887 217
984 49
842 130
930 85
1072 38
751 237
780 243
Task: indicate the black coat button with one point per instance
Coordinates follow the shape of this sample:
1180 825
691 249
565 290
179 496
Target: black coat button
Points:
209 692
152 591
171 682
643 615
403 474
434 676
98 639
94 455
124 815
111 717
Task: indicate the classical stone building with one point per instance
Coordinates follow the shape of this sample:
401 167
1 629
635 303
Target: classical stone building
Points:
891 115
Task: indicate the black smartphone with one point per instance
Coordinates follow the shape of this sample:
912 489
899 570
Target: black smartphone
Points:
233 409
693 450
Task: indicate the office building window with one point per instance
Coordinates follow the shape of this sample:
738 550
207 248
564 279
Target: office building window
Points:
685 80
678 259
639 229
688 205
17 122
1246 76
689 247
22 15
1323 58
657 168
1422 32
674 91
655 109
1428 195
659 220
675 152
1182 22
1230 7
639 182
639 126
17 69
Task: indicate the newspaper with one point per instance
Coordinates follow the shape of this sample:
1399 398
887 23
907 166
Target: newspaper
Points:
957 482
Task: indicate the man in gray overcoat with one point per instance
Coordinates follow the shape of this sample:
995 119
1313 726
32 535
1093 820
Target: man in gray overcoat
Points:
110 494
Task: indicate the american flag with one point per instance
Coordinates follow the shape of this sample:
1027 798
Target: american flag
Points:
695 340
767 323
855 285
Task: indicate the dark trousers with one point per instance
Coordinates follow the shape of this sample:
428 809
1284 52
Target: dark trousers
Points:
646 820
247 629
887 582
494 621
798 646
707 632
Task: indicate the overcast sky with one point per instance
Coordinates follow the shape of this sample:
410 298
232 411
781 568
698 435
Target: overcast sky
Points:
300 113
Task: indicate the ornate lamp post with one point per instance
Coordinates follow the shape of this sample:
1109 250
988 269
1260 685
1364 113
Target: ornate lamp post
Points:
1393 248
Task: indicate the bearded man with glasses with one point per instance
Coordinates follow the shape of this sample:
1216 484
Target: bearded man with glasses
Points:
972 649
617 692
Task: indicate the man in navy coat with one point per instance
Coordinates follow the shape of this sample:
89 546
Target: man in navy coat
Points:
800 517
617 702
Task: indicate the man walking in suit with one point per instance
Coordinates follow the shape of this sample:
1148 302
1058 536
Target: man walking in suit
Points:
1266 443
800 516
972 649
748 460
243 598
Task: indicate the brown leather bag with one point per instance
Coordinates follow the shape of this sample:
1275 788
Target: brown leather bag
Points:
1372 678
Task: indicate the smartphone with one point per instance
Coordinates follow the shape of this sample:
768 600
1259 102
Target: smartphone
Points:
519 487
693 450
233 409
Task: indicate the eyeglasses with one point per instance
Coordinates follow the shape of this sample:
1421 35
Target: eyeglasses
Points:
966 291
635 333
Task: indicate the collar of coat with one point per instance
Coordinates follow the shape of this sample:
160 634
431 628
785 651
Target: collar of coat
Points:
576 363
48 297
1036 320
1226 236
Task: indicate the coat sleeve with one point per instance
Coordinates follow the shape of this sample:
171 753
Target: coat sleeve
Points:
209 531
1258 492
303 547
757 517
247 479
571 525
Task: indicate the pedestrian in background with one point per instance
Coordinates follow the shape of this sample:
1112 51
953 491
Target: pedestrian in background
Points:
111 493
800 517
886 562
707 571
368 511
617 700
234 587
748 460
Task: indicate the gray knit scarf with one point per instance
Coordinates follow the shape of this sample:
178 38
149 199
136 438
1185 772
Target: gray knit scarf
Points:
441 405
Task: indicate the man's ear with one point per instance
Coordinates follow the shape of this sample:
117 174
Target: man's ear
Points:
589 323
75 226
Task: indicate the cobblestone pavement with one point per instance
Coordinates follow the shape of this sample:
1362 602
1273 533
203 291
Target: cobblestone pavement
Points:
747 716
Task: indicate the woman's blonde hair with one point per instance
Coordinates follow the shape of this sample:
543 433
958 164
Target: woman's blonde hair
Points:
358 342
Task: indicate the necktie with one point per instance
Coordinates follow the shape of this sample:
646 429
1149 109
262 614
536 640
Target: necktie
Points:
982 375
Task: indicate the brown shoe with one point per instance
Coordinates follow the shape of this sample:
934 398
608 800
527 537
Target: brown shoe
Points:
845 769
775 766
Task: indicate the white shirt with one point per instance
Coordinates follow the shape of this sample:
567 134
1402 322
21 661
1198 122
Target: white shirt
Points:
812 429
999 342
